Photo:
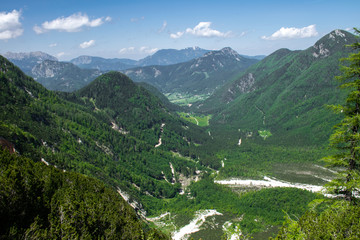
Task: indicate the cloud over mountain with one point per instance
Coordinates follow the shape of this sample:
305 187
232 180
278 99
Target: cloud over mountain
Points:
143 49
288 33
87 44
203 29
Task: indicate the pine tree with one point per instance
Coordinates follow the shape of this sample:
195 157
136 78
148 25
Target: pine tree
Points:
346 138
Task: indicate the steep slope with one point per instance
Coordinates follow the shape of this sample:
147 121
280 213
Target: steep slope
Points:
103 64
62 76
42 202
199 76
26 61
113 130
165 101
172 56
134 109
286 93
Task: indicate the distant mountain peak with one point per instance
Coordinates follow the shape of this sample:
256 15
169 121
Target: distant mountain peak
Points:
336 32
41 56
230 51
172 56
83 59
225 52
331 43
27 60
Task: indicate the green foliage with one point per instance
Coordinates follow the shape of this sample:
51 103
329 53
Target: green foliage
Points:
346 138
265 134
37 201
338 221
257 209
200 120
284 93
77 132
254 159
341 219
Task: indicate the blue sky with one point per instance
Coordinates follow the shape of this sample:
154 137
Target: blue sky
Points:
137 28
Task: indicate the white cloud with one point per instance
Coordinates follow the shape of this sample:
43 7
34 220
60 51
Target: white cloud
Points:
176 35
60 54
73 23
289 33
203 29
141 50
126 50
53 45
163 27
10 26
87 44
148 50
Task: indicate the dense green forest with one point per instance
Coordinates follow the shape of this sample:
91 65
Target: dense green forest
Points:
76 132
42 202
87 132
338 218
285 93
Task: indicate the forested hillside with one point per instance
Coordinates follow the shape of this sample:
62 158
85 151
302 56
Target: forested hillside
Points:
116 131
285 93
42 202
123 137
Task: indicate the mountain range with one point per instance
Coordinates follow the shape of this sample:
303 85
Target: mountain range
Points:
26 61
103 64
160 57
173 70
198 76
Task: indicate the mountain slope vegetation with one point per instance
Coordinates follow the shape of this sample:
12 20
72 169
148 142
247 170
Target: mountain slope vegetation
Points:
62 76
285 93
42 202
110 136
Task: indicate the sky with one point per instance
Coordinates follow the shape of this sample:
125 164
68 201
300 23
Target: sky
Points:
137 28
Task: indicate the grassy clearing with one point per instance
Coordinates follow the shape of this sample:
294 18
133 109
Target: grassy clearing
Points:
264 134
200 120
251 160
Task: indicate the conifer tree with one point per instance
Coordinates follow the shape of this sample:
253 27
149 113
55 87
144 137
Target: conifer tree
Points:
346 138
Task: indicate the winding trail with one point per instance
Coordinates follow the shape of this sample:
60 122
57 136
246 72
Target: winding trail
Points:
161 130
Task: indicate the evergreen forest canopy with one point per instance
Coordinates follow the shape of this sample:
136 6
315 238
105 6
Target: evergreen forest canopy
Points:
116 137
